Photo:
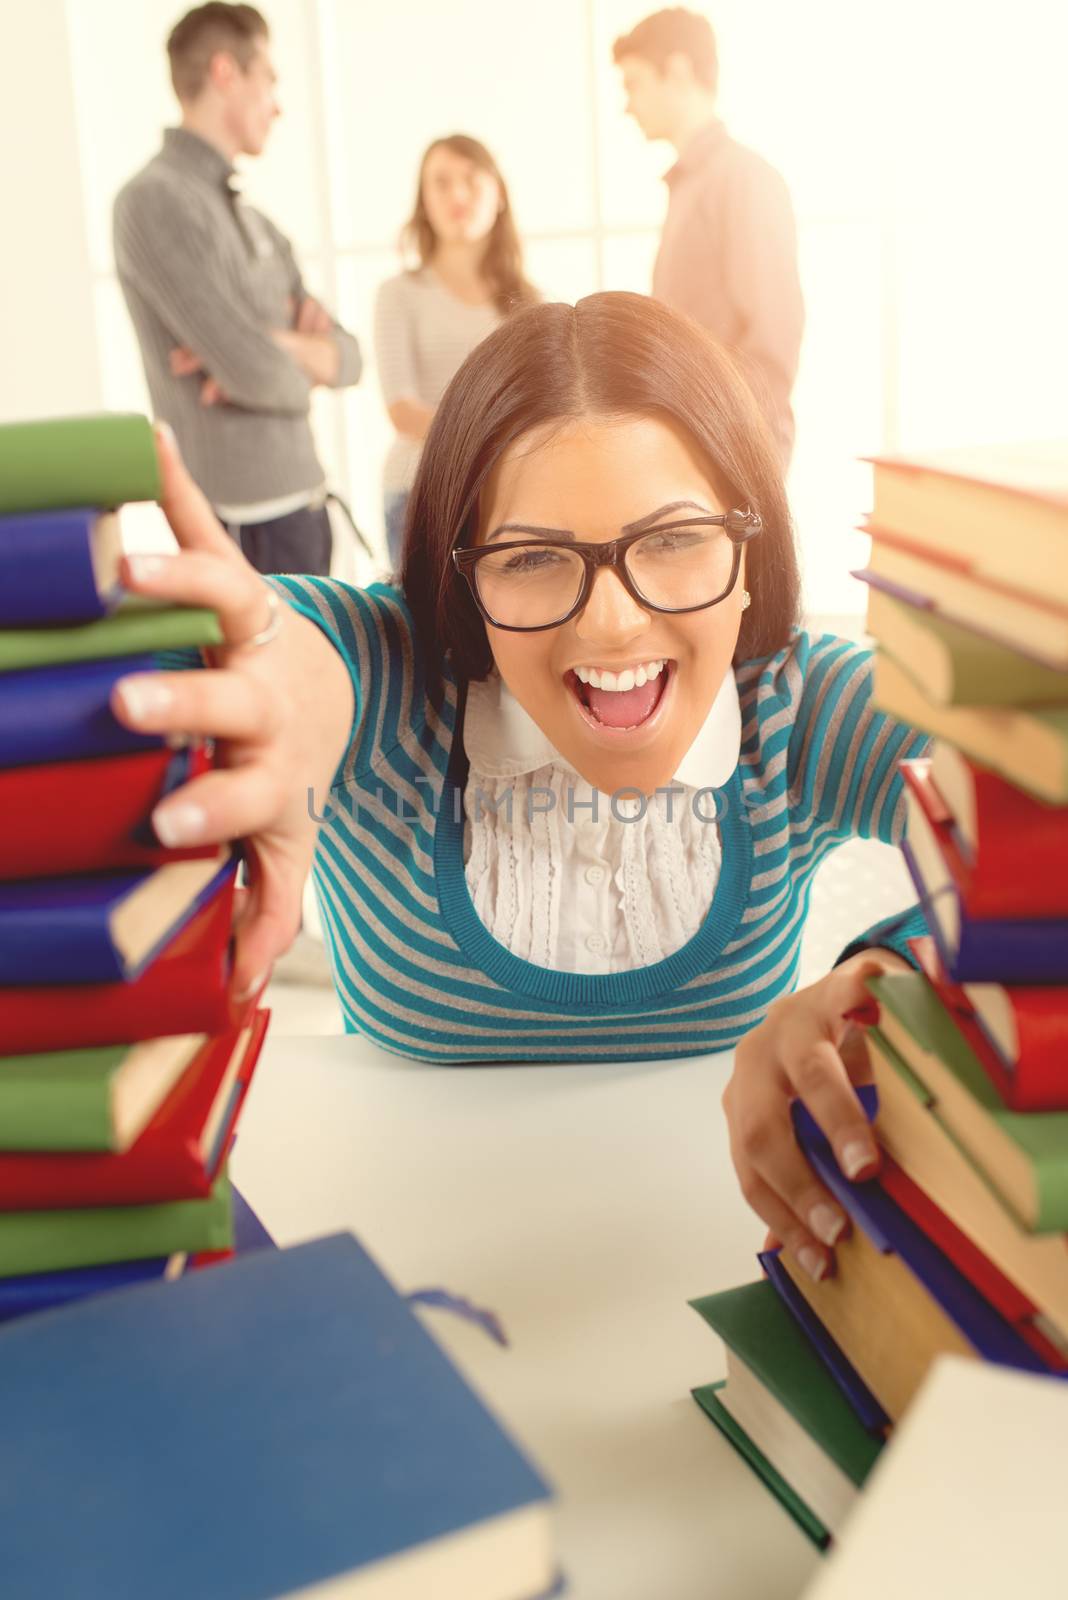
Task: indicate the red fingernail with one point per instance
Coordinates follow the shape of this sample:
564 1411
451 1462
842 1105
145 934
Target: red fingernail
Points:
866 1015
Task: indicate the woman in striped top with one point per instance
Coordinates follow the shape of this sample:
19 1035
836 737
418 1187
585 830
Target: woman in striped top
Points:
427 321
567 786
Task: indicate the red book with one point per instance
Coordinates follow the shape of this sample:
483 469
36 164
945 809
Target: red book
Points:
91 816
1018 1034
1007 852
187 989
176 1157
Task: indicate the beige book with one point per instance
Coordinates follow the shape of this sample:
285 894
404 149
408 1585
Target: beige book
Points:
967 1500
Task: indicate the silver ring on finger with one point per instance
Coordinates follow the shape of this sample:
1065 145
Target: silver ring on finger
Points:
273 625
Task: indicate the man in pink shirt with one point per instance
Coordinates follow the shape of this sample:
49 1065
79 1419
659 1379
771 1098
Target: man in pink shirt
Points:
728 253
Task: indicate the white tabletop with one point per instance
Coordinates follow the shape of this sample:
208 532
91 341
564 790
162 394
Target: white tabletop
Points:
584 1205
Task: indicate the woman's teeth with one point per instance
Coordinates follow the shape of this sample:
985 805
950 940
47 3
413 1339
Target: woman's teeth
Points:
620 682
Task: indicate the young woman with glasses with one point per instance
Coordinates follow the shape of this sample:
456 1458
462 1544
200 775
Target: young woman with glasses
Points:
566 787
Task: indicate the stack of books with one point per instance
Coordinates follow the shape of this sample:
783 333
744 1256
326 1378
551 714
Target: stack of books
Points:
125 1060
960 1245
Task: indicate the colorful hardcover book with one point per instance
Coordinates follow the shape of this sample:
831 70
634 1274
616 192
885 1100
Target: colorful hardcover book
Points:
71 817
961 502
59 566
979 949
1036 627
894 1302
1008 852
353 1452
89 1100
100 460
41 1291
780 1393
955 665
176 1157
1016 1035
103 928
64 713
135 628
1007 1298
707 1396
869 1412
48 1241
1022 1155
909 1130
873 1210
1029 747
187 990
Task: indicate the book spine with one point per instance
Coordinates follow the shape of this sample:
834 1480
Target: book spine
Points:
54 1114
51 1241
127 633
64 713
53 944
46 569
101 460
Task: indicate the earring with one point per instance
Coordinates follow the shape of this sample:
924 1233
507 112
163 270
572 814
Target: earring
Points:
747 599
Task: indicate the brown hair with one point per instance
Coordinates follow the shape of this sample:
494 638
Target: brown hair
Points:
202 33
610 355
674 32
502 264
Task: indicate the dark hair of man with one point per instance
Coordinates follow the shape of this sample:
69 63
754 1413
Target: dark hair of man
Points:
202 33
502 264
611 355
674 32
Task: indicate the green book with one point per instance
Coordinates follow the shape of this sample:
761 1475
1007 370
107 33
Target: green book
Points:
136 627
101 460
1023 1155
96 1099
954 665
755 1326
51 1241
707 1397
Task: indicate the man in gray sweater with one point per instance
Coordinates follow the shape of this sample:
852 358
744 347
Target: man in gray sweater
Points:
728 252
232 343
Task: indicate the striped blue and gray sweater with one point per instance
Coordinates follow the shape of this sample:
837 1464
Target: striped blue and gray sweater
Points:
416 970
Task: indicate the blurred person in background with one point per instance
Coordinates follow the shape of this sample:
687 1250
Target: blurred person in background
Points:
428 319
231 341
728 252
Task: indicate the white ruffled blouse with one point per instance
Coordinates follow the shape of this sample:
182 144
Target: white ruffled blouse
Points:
569 888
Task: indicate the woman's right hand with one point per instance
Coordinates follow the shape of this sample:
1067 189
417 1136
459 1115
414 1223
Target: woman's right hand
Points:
280 713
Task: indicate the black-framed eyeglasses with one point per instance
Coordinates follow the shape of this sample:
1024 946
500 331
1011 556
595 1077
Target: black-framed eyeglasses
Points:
526 585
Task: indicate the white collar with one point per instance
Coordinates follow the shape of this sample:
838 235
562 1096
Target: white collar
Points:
503 741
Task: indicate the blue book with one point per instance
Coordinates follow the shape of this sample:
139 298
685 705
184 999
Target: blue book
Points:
890 1230
101 929
41 1291
58 566
1004 950
290 1413
64 713
868 1410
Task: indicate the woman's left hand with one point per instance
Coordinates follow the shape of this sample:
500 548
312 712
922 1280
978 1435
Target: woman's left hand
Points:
805 1048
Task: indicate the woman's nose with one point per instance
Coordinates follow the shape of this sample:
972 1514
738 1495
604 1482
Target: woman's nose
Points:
610 613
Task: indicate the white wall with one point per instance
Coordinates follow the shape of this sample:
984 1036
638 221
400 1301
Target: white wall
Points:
923 145
48 349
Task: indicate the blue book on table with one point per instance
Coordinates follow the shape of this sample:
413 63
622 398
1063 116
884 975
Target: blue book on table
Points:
251 1430
64 713
58 566
105 928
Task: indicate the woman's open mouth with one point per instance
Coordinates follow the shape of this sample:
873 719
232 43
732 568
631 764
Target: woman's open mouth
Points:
624 701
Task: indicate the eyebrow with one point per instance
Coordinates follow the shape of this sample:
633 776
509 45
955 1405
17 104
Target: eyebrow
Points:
630 527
